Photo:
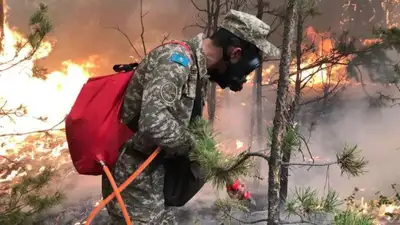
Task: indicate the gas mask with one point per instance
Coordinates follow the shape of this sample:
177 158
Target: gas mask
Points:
235 74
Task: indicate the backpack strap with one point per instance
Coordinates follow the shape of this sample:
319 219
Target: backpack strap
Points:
197 110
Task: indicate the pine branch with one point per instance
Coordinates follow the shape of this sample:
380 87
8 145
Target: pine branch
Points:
220 169
228 203
40 26
350 162
27 199
349 217
305 202
374 58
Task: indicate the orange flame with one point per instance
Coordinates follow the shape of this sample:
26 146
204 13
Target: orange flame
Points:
51 98
47 101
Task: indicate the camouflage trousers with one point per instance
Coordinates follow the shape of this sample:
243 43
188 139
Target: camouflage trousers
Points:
144 197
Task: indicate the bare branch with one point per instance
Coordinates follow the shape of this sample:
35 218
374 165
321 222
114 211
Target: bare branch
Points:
141 23
194 25
53 128
18 112
165 38
128 39
310 164
308 148
197 7
17 53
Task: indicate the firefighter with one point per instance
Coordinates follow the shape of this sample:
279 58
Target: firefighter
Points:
159 104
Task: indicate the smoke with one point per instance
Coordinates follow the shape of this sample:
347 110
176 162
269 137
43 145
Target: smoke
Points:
375 131
82 28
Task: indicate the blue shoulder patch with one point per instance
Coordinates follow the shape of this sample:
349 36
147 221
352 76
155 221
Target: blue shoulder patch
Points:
180 59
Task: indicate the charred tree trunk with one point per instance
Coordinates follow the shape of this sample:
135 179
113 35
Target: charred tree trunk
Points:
279 119
294 108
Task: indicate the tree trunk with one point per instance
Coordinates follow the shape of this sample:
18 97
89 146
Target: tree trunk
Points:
279 119
212 97
1 24
214 8
257 103
258 85
294 108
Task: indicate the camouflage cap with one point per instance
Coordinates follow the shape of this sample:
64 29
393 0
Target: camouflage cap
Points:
251 29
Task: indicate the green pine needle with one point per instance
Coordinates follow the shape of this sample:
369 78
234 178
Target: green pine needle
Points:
350 162
352 218
229 204
41 26
220 169
27 199
305 202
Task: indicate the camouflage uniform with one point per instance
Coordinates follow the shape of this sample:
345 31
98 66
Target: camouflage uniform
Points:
162 93
158 104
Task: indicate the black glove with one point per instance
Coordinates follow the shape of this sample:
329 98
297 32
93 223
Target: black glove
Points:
182 150
183 179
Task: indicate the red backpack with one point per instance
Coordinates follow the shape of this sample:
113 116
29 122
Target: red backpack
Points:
93 127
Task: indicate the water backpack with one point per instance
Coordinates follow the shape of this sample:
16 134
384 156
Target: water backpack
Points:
95 132
93 127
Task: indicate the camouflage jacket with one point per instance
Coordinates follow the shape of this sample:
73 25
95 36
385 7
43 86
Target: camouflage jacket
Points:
159 99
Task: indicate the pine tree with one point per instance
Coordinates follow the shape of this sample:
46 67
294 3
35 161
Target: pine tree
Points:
27 198
380 68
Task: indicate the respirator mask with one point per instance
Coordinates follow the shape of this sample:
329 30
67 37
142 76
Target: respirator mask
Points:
235 74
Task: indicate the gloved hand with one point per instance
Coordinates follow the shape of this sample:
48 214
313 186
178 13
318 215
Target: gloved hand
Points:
181 151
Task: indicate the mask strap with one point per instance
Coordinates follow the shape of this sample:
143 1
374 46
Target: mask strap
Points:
225 55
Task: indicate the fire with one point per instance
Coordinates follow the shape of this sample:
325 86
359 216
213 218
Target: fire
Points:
367 42
239 144
325 73
381 213
51 98
392 12
311 74
45 101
